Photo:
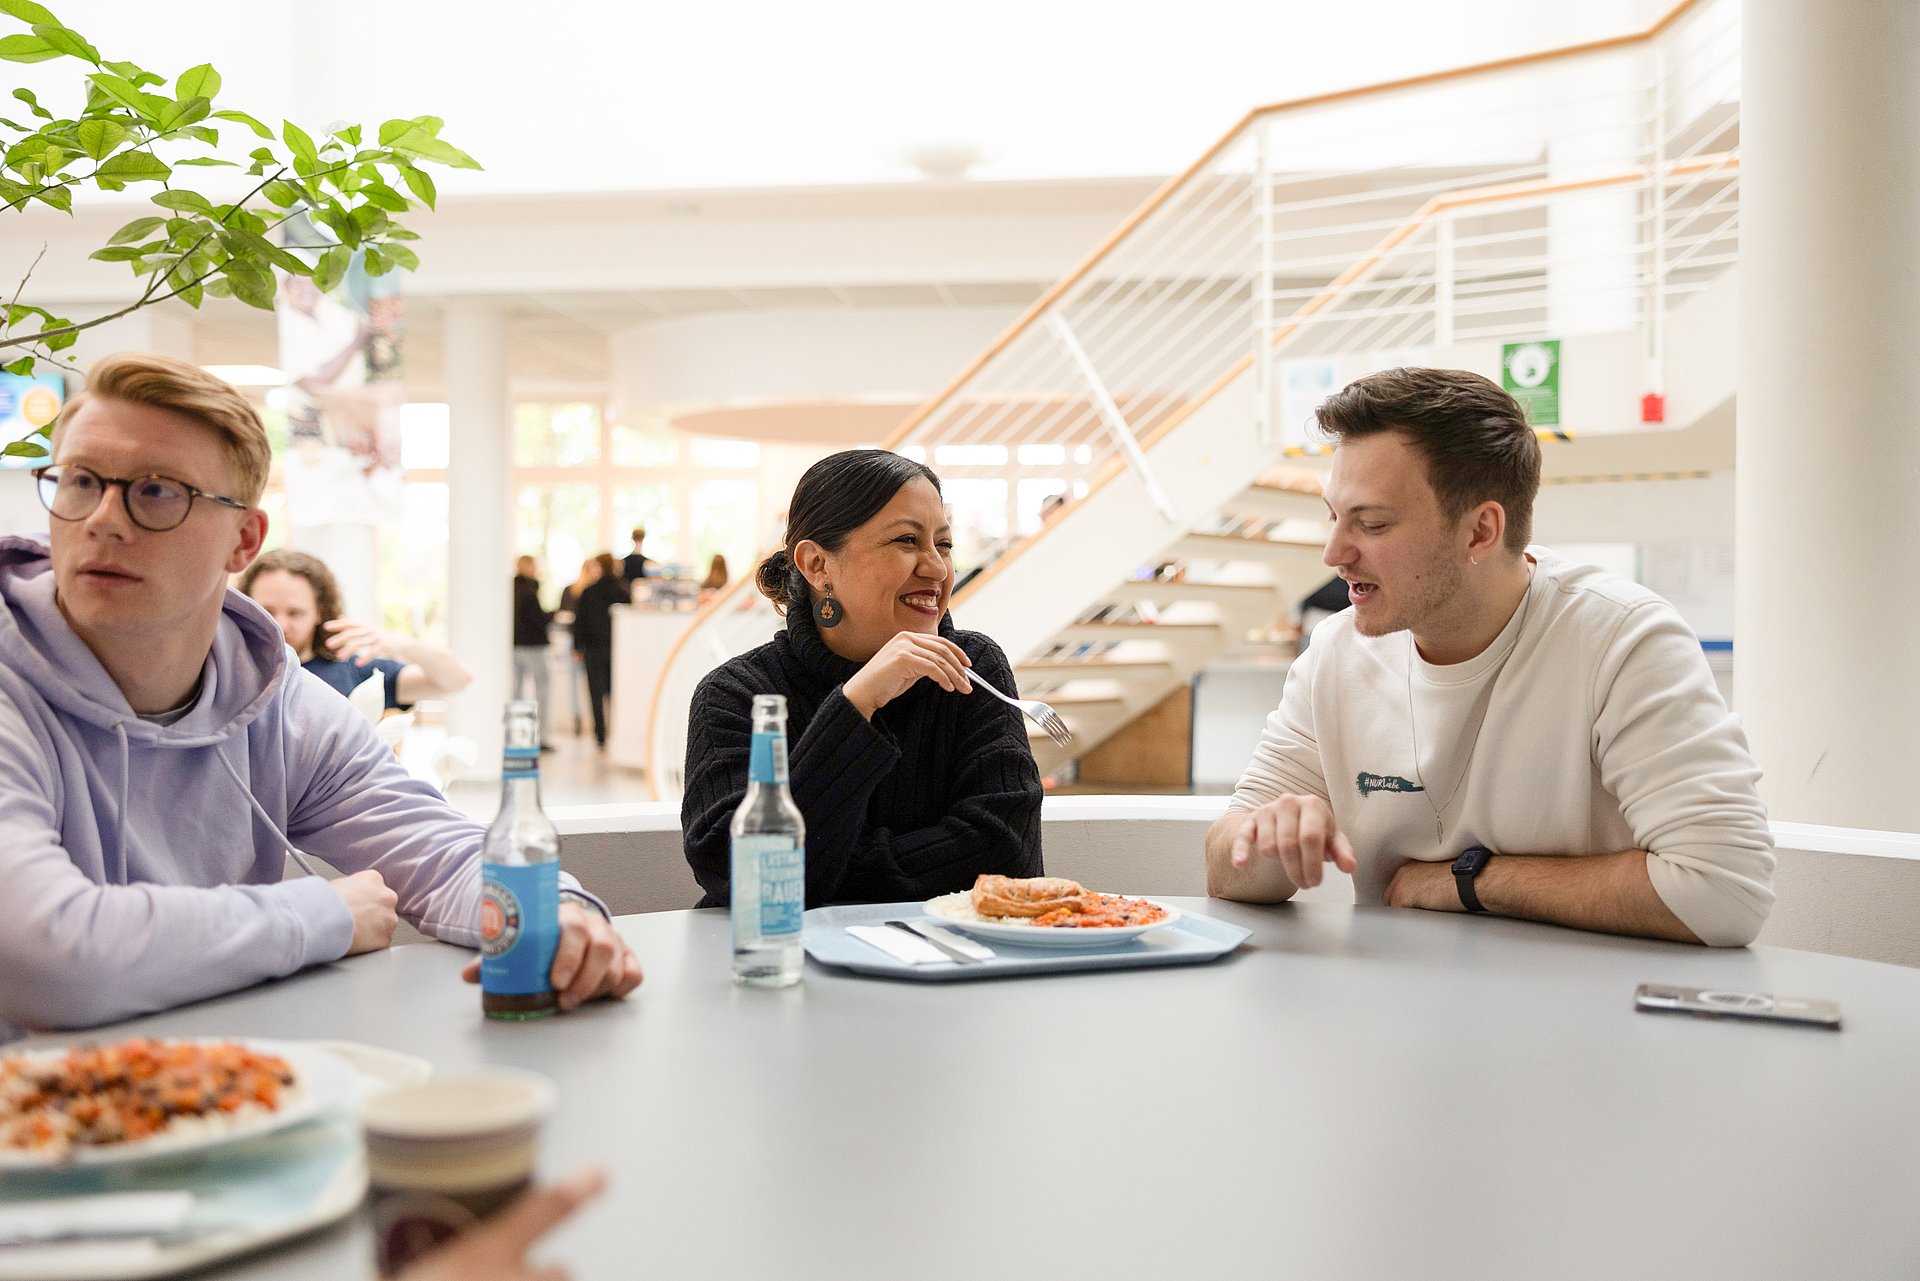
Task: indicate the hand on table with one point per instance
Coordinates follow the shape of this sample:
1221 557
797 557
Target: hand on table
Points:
374 910
1428 886
496 1249
591 961
901 663
1299 832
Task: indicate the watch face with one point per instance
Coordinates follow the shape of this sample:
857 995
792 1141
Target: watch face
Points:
1472 860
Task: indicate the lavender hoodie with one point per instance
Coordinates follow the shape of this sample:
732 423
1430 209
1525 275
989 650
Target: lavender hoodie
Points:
140 865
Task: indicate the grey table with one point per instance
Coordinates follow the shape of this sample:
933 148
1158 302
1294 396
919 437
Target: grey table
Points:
1356 1093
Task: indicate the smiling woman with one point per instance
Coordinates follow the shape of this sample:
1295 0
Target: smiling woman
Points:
910 786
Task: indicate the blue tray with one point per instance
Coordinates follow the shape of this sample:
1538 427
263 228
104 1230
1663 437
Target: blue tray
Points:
1191 940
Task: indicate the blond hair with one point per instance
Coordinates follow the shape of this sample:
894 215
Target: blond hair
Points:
144 378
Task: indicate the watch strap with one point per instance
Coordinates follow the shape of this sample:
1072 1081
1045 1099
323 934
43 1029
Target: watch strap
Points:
1463 878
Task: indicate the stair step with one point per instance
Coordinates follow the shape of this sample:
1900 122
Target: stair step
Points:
1227 547
1158 590
1172 633
1270 502
1092 669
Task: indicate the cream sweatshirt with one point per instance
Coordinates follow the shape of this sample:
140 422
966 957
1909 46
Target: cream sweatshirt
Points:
1590 725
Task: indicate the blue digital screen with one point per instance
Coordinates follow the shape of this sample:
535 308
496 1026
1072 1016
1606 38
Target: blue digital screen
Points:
27 402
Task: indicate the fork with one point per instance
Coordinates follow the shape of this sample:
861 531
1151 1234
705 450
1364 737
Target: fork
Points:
1041 714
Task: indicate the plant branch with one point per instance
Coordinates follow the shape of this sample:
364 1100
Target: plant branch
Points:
6 321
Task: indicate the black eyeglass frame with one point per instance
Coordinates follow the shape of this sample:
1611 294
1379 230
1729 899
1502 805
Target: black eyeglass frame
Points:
194 492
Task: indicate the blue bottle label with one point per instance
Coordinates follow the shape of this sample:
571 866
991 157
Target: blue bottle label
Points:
768 763
520 762
519 927
769 888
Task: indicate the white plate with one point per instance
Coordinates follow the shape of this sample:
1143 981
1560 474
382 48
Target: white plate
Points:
943 910
321 1081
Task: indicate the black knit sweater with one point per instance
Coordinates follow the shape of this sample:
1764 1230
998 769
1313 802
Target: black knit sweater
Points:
936 789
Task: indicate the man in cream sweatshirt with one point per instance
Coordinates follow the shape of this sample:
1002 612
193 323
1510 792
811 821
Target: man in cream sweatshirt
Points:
1489 727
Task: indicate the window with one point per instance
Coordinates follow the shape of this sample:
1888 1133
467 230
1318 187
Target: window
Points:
559 525
412 575
556 435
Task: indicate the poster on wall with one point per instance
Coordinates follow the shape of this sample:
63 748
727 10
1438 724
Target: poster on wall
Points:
1530 371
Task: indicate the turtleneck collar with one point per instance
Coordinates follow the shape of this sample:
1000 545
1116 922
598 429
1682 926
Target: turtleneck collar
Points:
803 639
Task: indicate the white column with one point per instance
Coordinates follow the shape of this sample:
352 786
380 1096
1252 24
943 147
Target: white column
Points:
1826 611
479 521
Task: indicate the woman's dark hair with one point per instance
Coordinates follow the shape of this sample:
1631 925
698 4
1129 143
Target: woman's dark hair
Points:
326 592
836 496
1474 437
609 567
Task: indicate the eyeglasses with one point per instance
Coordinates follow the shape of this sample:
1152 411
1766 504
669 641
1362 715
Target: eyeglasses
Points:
154 503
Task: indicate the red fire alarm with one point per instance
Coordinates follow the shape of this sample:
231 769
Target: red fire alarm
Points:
1653 408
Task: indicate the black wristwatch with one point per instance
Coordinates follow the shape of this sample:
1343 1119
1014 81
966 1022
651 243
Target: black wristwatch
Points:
1465 868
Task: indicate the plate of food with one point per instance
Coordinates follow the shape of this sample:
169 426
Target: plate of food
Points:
1048 911
141 1099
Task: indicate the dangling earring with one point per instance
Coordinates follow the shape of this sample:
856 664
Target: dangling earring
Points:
827 613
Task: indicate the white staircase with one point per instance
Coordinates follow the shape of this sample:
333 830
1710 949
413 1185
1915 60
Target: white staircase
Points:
1160 369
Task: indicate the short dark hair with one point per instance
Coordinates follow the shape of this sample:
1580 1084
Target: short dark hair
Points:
1474 437
326 591
836 496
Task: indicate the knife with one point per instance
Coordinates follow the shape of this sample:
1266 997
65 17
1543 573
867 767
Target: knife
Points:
960 948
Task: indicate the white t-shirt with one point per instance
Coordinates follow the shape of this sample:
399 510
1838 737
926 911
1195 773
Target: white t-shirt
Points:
1590 725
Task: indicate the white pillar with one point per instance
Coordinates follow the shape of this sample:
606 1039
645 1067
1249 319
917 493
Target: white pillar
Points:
1827 529
479 521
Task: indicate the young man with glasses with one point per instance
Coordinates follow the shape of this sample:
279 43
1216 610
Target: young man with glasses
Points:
1490 728
161 750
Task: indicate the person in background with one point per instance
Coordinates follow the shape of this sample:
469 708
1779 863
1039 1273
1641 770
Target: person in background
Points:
569 598
300 593
1490 728
162 753
1326 600
912 782
531 624
634 567
716 574
593 637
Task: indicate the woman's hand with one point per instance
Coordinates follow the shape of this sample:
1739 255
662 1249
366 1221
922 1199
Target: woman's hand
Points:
902 662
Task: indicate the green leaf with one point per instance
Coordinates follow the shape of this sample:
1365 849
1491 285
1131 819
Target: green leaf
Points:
281 193
420 183
299 142
144 105
59 197
332 267
349 135
192 295
394 129
98 138
178 115
384 197
402 256
119 253
219 288
185 202
33 103
28 12
252 283
26 49
336 219
135 74
433 149
67 42
397 232
207 160
134 166
197 82
242 118
24 365
376 263
138 229
24 448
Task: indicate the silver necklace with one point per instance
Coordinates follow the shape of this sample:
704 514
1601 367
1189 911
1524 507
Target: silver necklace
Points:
1413 723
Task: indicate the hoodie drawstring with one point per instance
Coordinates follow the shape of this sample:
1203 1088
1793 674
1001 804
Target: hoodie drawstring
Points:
117 869
272 826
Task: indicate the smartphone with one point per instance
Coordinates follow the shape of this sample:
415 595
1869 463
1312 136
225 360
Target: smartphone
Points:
1713 1003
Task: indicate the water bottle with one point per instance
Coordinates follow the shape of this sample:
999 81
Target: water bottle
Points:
769 866
520 885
